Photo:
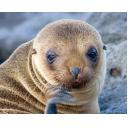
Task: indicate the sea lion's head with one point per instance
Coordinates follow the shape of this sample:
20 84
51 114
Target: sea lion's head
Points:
69 53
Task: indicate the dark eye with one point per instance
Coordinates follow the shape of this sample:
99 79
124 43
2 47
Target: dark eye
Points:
92 54
51 56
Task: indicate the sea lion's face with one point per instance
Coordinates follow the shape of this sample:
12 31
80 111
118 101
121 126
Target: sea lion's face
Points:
68 54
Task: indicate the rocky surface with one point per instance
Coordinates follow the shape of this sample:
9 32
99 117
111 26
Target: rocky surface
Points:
16 28
114 95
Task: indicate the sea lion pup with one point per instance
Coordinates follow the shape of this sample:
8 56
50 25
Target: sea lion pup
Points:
61 70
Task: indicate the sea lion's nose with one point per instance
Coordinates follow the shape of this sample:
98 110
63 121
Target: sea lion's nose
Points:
75 72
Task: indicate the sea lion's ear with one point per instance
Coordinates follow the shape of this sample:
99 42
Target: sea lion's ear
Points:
104 47
33 51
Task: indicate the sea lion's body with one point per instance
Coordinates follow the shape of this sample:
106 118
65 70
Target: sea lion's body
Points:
23 89
18 93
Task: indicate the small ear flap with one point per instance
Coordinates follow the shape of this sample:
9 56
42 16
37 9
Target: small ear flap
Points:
33 51
104 47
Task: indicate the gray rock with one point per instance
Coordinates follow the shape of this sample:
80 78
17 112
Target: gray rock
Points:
112 26
114 95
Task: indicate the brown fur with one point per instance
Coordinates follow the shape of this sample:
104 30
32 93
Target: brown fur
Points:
26 76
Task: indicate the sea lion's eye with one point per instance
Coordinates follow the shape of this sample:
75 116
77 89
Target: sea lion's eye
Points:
51 56
92 54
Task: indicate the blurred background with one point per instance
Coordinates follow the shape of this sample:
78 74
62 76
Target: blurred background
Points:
17 28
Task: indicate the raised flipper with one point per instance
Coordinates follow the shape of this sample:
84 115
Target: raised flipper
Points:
58 96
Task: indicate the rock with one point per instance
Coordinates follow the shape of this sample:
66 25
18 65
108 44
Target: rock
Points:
114 95
112 26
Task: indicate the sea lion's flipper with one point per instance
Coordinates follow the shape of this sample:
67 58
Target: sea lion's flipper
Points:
59 96
51 108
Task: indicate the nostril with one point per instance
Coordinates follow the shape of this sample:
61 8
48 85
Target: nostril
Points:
75 71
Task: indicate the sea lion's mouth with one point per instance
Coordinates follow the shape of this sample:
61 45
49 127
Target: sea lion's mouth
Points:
74 86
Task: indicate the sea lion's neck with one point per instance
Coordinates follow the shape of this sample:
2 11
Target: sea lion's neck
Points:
38 80
90 107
